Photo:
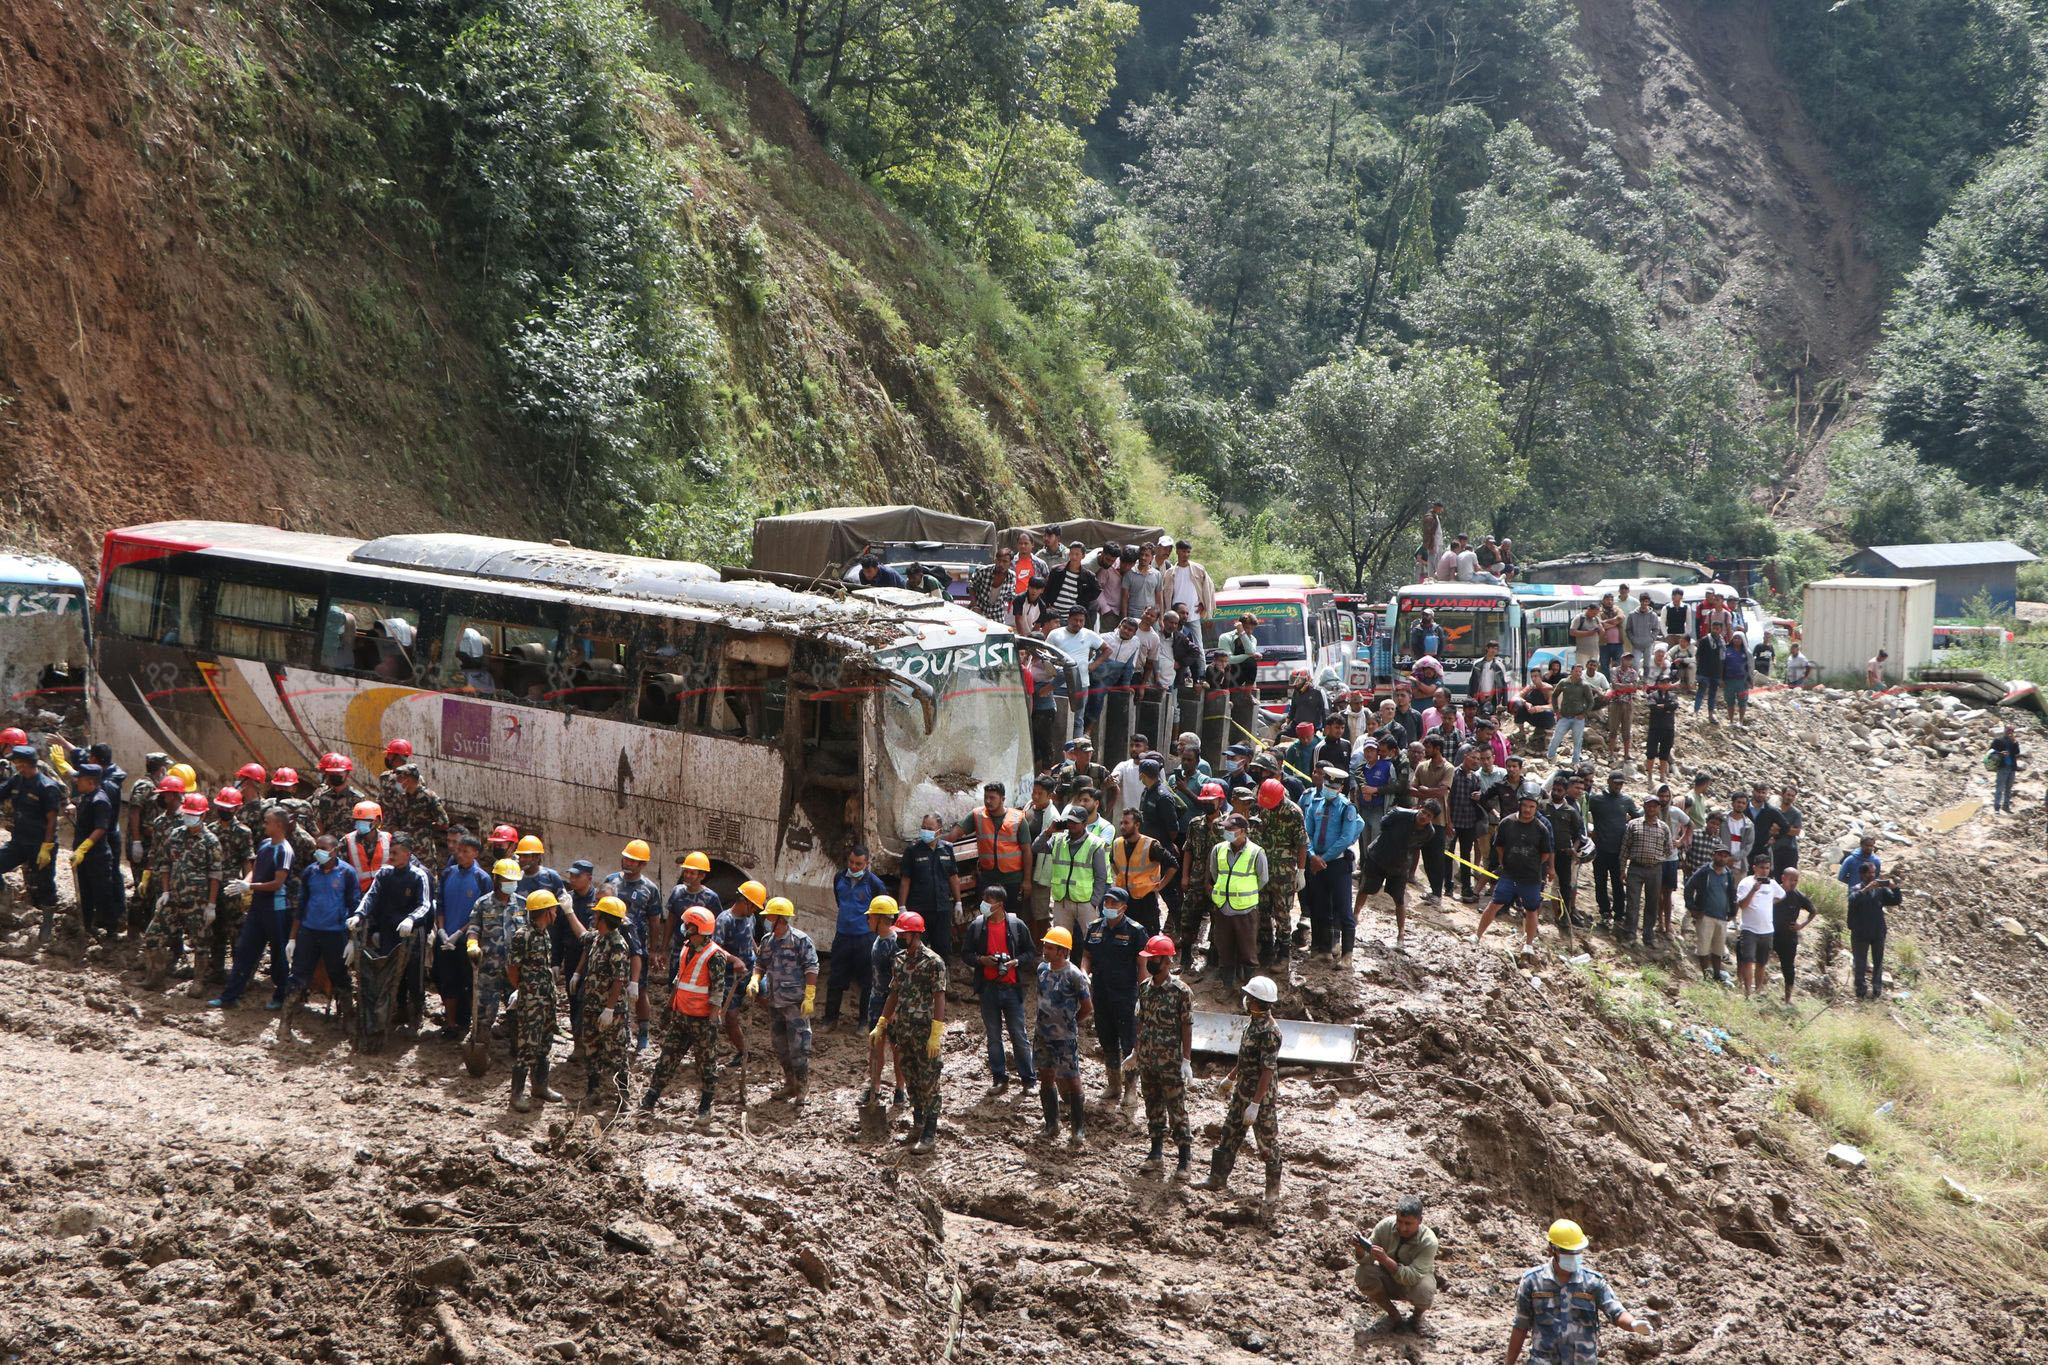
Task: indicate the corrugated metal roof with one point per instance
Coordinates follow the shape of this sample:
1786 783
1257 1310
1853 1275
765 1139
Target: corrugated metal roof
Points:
1951 554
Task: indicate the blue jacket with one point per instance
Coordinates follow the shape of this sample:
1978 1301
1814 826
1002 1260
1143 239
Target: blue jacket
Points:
459 891
1332 822
331 895
853 894
1850 874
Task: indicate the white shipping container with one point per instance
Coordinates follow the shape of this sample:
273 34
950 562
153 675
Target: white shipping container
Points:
1847 620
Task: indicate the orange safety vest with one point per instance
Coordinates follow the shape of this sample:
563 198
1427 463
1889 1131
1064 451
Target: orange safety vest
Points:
693 983
376 859
999 850
1137 873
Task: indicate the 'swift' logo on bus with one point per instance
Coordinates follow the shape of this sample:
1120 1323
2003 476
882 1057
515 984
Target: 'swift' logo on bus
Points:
935 665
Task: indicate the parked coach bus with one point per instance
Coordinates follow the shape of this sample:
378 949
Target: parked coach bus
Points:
588 698
1299 626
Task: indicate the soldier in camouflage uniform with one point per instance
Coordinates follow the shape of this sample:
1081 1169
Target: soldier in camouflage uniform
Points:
397 758
1198 870
170 794
607 1038
418 810
1255 1093
191 879
138 813
333 806
1166 1034
1280 830
493 919
237 851
703 980
914 1017
530 971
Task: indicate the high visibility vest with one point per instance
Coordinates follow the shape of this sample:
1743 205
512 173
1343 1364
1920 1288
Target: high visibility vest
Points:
1136 870
998 849
1073 869
693 982
1237 877
367 862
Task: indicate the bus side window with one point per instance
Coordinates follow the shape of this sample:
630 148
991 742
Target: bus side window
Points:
599 647
269 624
131 601
675 674
370 639
753 695
182 617
507 659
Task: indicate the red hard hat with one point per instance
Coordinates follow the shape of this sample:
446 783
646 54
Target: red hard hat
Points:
910 922
504 834
398 748
285 777
193 804
336 763
252 772
171 783
1213 791
12 736
1159 945
1304 731
1271 794
229 798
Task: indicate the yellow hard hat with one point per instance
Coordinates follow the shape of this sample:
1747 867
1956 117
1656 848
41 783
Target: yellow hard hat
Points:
1057 937
183 772
542 899
638 851
752 891
779 905
1566 1235
697 862
883 905
531 844
508 870
606 905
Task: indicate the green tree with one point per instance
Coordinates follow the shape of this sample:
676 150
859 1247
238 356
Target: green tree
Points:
1366 447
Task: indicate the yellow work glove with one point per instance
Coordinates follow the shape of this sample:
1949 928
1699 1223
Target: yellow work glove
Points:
78 854
59 762
931 1049
810 1000
142 884
754 986
476 950
48 852
875 1033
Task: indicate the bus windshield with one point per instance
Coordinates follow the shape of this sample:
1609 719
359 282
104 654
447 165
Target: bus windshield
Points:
978 730
1467 623
1282 629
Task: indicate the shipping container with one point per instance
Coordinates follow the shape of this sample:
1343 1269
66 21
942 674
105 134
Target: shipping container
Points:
1847 620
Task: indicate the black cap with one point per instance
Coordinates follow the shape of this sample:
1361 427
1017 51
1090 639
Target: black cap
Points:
1116 893
91 770
583 866
1151 765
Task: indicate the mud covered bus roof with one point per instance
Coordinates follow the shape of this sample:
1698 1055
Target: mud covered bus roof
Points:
39 570
877 619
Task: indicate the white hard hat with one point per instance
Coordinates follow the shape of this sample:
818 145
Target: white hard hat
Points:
1262 989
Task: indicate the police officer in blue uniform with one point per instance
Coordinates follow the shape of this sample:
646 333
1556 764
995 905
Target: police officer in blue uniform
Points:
1109 954
34 800
642 895
94 836
1559 1305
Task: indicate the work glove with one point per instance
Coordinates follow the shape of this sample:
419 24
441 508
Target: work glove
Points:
47 852
475 950
163 901
206 916
135 850
512 1001
291 950
810 1000
1251 1112
59 762
236 888
605 1017
575 980
78 854
355 922
142 885
754 987
632 990
406 926
931 1048
1187 1072
348 954
881 1027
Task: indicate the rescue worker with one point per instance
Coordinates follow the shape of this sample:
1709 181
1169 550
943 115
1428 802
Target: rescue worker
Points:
914 1019
735 933
1143 867
320 930
170 796
35 800
530 972
191 885
1002 852
692 868
331 808
1109 954
500 845
418 811
1560 1304
264 924
397 756
1198 860
928 876
882 950
487 940
703 980
1063 1006
642 898
396 902
1397 1264
606 967
997 942
464 882
1279 830
1254 1092
138 818
786 981
1238 874
94 835
579 908
854 889
237 854
1078 866
1165 1054
251 781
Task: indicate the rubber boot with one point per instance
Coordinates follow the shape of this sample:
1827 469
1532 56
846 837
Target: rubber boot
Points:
1076 1113
1180 1169
704 1106
1157 1159
198 988
1113 1084
540 1084
1220 1163
916 1126
800 1081
648 1100
289 1010
930 1137
49 922
156 965
1272 1183
519 1100
1049 1101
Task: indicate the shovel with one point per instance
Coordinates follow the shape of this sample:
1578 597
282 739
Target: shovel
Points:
476 1047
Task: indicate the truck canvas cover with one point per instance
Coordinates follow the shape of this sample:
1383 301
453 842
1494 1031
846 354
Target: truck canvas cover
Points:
822 543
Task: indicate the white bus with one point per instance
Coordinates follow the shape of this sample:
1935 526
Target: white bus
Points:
1470 615
588 698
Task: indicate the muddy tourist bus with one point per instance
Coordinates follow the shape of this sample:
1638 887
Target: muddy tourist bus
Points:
588 698
44 643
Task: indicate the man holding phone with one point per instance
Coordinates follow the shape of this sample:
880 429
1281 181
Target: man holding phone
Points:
1397 1263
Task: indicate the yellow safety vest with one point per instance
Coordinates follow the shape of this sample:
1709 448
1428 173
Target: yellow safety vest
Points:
1073 869
1237 877
1136 870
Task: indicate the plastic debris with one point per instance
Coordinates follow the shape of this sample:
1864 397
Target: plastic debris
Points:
1842 1154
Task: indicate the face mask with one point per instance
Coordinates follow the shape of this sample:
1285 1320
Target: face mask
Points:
1111 911
507 888
1568 1262
362 826
192 821
987 909
926 836
322 856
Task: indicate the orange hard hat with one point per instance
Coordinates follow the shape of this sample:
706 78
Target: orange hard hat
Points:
367 810
698 918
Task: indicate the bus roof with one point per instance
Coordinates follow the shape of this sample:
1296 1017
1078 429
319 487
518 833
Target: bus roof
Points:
39 570
1489 591
873 618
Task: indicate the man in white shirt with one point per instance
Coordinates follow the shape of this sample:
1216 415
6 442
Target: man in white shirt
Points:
1468 566
1741 829
1799 669
1755 897
1125 789
1187 585
1088 650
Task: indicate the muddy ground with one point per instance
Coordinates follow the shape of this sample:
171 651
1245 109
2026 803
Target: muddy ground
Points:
181 1184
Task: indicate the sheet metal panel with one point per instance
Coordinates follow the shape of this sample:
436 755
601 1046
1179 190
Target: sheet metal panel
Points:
1300 1040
